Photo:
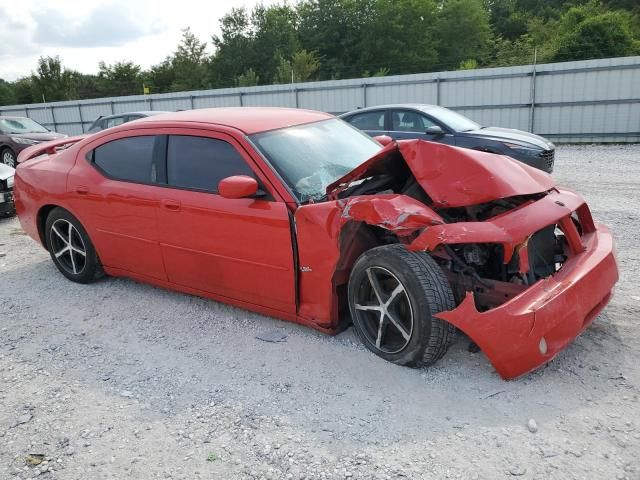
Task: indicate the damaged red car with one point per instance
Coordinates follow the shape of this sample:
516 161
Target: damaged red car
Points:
297 215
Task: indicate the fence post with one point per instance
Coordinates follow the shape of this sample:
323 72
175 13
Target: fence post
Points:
532 109
53 118
191 101
240 98
364 95
437 90
295 93
26 112
81 119
112 109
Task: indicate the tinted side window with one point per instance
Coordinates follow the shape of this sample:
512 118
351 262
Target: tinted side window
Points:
127 159
368 121
200 163
405 121
114 122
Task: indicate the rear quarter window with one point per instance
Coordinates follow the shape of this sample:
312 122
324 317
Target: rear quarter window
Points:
129 159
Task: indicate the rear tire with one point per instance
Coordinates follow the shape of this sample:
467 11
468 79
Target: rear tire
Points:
70 247
394 319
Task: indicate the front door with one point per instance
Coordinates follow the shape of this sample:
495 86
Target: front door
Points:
236 248
408 124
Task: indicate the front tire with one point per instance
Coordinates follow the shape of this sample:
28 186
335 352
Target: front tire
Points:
70 247
8 157
393 295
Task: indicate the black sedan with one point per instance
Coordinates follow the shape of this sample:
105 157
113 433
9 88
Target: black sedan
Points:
101 123
438 124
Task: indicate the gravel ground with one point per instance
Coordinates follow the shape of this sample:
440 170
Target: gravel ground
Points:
123 380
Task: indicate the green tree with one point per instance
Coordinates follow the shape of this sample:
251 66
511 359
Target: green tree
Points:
507 20
305 65
84 86
302 66
284 71
50 81
470 64
121 78
335 29
7 93
161 77
248 79
233 48
275 35
399 35
587 35
190 63
515 52
23 89
463 33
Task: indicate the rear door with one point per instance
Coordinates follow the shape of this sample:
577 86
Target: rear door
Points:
113 192
370 122
235 248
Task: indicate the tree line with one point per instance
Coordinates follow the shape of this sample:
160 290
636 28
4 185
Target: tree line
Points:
334 39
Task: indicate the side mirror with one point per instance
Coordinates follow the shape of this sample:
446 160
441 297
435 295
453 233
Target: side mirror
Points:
434 130
238 186
383 140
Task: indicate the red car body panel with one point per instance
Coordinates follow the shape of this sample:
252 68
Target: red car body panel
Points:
556 309
455 177
291 261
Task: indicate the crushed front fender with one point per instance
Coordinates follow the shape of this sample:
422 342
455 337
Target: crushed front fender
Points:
532 328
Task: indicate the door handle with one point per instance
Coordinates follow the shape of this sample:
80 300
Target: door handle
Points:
172 205
82 190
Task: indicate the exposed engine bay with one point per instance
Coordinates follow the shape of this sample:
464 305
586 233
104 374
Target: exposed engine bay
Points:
481 268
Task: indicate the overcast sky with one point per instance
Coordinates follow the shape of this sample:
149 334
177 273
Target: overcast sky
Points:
84 32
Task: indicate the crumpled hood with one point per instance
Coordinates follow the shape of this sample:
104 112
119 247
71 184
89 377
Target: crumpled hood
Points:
452 176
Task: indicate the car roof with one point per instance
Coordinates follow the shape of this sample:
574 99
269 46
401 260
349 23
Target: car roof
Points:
423 107
146 113
246 119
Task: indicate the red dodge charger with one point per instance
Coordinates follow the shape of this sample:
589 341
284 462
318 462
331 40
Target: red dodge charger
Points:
298 215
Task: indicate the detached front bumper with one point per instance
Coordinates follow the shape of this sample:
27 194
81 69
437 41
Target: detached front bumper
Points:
530 329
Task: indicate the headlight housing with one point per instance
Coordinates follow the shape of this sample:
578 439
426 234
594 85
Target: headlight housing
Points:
24 141
10 181
523 150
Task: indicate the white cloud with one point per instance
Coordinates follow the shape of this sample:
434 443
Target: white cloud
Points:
85 32
106 25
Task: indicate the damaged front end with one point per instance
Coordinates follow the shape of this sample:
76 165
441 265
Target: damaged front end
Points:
528 266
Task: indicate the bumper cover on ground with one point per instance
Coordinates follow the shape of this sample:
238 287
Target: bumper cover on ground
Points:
532 328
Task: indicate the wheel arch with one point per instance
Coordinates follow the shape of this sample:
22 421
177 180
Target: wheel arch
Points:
355 238
41 219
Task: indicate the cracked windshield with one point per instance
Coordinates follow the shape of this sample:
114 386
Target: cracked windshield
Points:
311 157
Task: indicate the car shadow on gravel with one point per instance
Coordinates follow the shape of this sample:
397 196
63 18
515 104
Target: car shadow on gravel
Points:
172 350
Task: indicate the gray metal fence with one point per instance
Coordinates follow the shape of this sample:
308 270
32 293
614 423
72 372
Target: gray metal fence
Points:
584 101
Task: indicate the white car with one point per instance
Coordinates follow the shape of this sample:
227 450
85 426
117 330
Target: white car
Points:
7 173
